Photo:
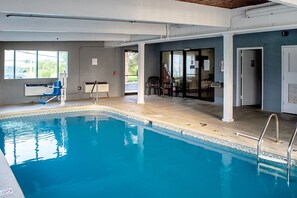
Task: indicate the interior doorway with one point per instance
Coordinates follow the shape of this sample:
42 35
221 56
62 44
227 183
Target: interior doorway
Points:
131 72
250 77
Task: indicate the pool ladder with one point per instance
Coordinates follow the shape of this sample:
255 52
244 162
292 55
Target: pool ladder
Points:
287 161
92 91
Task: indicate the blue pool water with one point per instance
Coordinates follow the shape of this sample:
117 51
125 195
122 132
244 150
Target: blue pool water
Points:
95 155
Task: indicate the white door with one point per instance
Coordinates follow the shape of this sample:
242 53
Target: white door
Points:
251 77
289 84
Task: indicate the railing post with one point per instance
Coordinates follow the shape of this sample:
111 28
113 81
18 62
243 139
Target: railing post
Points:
264 131
97 93
289 151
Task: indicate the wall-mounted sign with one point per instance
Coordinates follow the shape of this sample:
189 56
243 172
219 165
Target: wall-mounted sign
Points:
94 61
196 64
206 65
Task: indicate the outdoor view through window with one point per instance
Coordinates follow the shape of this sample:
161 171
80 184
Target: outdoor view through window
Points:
31 64
131 72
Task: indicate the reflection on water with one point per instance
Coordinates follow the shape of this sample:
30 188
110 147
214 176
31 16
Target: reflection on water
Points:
130 134
226 175
27 140
91 155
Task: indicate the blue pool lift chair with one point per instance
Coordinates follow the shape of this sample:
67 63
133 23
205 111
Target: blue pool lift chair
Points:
57 86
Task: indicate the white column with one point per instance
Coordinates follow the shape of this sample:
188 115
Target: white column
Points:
228 78
140 99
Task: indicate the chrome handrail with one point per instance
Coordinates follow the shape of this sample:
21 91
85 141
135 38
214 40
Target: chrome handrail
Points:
97 93
264 131
289 151
91 93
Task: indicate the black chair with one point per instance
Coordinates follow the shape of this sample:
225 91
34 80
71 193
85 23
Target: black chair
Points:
153 82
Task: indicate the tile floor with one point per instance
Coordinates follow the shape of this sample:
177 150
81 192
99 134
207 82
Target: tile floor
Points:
200 116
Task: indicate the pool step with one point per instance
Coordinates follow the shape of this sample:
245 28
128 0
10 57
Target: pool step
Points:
280 171
267 158
272 170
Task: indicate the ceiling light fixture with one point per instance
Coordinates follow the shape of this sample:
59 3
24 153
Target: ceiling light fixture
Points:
67 17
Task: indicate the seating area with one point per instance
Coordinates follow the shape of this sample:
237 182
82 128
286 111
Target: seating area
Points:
153 83
156 87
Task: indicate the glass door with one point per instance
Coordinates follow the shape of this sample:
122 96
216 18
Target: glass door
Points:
207 74
188 73
166 67
166 73
200 74
192 78
178 73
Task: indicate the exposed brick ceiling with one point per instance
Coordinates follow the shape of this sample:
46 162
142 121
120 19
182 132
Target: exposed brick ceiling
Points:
231 4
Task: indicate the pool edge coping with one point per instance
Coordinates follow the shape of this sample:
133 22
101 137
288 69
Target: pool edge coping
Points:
144 119
9 186
140 118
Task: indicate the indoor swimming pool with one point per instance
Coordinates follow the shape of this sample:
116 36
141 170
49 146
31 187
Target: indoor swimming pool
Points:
100 154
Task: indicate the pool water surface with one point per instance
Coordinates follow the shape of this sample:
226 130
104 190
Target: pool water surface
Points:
94 154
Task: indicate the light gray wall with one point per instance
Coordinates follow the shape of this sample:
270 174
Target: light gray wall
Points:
103 72
79 69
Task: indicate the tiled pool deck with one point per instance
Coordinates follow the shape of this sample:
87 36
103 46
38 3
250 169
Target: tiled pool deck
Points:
193 115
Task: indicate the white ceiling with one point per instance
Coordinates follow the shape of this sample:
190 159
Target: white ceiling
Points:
129 21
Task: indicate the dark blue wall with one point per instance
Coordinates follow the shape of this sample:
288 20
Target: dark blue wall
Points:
271 42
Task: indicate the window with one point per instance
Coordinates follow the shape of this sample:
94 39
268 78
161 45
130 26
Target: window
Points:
47 64
9 64
63 62
32 64
25 64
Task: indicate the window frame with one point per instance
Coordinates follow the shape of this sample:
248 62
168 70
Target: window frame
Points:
36 65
